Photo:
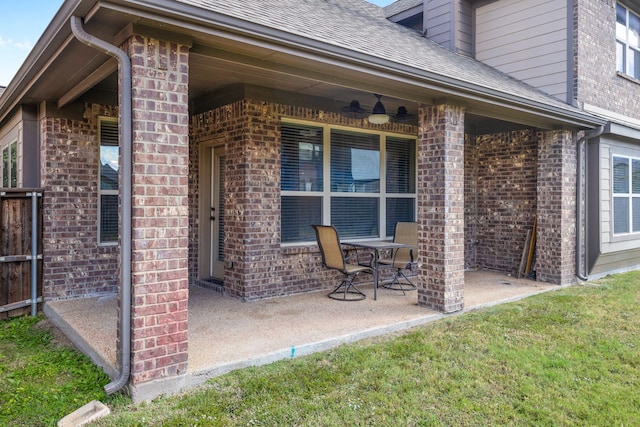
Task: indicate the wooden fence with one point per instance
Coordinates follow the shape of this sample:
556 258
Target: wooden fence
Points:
20 251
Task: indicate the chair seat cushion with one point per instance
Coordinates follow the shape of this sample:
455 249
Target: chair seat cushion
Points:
352 268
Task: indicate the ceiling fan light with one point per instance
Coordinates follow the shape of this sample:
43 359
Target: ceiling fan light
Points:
378 118
379 115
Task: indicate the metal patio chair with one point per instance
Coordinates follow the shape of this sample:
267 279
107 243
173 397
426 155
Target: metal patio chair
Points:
333 257
402 259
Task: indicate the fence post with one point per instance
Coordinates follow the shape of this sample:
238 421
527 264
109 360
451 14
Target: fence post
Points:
34 253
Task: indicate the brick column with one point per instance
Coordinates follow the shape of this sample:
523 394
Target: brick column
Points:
441 207
556 233
160 215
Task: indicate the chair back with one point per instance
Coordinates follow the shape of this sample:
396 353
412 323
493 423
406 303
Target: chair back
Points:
329 243
406 232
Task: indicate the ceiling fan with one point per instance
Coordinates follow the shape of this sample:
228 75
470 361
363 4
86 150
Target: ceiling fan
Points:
378 115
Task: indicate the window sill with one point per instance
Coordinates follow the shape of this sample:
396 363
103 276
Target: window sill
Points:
300 248
628 77
615 238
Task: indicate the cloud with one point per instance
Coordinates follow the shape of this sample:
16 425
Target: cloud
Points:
10 43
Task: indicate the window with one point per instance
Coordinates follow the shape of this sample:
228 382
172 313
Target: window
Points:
10 166
361 182
627 41
626 195
108 188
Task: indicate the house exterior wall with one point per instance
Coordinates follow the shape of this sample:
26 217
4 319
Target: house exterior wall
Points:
159 253
74 263
500 198
259 266
450 24
556 200
441 207
22 128
527 40
597 82
613 252
600 89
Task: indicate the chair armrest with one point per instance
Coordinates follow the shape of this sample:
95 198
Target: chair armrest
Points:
357 255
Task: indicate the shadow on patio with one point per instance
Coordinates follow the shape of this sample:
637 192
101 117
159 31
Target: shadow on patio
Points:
227 334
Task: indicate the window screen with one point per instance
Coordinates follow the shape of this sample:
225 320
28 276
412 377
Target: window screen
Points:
370 182
108 188
626 195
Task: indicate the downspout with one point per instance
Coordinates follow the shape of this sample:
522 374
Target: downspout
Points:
582 197
125 246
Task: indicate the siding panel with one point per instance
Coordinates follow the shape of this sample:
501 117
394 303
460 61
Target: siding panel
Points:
520 37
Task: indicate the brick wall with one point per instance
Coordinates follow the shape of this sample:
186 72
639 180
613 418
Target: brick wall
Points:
556 199
596 81
159 208
500 198
74 263
441 207
251 134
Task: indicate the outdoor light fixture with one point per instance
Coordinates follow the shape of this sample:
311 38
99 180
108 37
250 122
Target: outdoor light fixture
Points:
379 115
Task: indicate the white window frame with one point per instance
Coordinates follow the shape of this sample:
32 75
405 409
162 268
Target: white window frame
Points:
624 41
104 192
10 168
326 194
629 195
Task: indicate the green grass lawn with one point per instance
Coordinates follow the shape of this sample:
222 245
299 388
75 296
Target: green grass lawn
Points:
569 357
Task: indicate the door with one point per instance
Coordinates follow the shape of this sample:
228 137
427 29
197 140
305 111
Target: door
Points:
211 212
217 214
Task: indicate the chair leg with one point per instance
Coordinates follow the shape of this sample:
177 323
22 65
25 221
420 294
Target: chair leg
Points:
397 285
347 291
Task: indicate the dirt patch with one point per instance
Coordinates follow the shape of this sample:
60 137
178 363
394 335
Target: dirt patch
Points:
58 338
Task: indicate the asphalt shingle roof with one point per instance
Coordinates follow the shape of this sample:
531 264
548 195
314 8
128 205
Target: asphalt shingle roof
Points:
362 27
400 6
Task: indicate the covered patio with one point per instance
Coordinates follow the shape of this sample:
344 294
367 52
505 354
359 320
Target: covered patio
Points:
227 334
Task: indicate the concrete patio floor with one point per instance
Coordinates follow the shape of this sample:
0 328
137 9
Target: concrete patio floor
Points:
227 334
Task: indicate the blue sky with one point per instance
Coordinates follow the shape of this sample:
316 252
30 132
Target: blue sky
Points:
22 22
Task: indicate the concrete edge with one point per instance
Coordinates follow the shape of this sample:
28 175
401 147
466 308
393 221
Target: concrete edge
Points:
49 310
89 413
199 377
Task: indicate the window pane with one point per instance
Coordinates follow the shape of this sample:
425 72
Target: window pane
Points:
14 165
298 213
109 218
109 154
636 214
301 158
399 210
634 30
633 63
621 16
5 167
635 176
401 165
355 162
620 175
355 217
620 57
620 215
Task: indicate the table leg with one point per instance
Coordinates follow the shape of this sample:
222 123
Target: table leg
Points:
375 274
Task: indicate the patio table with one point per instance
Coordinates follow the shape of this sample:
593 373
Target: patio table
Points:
377 246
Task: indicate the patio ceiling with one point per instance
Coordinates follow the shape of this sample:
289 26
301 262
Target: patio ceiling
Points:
221 57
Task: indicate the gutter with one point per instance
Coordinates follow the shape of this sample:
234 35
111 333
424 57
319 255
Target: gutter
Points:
125 246
582 198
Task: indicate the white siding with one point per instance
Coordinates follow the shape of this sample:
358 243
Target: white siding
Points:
465 28
438 22
527 40
609 244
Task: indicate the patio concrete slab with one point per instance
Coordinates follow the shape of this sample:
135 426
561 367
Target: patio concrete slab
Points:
227 334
